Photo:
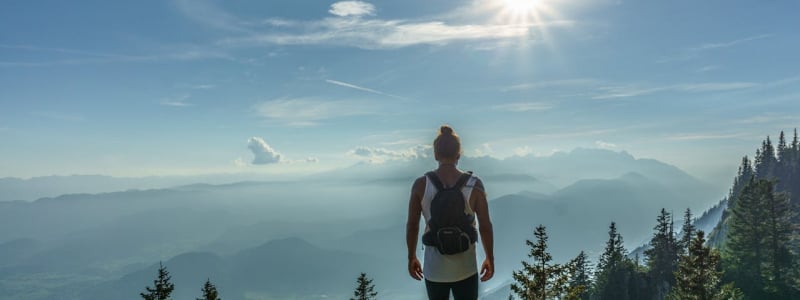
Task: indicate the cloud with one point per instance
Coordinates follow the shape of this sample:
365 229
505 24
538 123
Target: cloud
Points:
312 160
523 106
706 69
305 112
239 162
360 88
484 150
703 136
577 82
378 34
81 57
177 102
604 145
523 151
263 154
612 92
710 46
352 8
380 155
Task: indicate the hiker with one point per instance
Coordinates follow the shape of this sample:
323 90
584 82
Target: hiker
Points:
450 200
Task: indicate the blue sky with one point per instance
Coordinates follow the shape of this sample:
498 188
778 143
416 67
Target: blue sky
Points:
194 87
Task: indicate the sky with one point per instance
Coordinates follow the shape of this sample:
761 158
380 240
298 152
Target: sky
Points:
140 88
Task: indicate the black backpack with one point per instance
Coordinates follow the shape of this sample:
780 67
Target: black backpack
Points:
450 229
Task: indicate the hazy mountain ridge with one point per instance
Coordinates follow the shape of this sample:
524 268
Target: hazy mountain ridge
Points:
107 235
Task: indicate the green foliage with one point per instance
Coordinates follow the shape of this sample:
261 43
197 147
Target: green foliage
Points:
209 291
617 276
698 273
162 287
579 280
687 232
758 254
365 290
541 279
662 257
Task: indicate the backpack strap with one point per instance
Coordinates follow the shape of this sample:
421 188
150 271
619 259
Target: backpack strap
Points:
435 180
440 186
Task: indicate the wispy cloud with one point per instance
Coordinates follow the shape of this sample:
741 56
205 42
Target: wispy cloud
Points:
710 46
361 88
703 136
625 91
352 8
523 106
693 52
771 117
177 102
705 69
305 112
577 82
82 57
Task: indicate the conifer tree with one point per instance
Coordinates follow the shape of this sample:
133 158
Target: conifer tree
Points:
698 274
162 287
209 291
744 247
613 269
540 279
687 232
579 281
365 290
662 257
778 227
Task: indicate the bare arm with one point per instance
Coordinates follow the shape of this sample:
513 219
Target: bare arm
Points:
412 227
485 229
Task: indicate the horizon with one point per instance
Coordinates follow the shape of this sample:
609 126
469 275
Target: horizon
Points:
286 87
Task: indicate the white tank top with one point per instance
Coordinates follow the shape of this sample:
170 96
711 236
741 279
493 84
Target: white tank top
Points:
437 267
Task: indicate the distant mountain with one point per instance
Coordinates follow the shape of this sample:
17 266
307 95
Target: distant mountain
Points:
278 269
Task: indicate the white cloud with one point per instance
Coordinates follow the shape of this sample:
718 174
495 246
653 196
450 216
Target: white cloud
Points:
312 160
613 92
604 145
239 162
709 46
523 106
263 154
352 8
484 150
382 34
177 102
305 112
523 151
380 155
577 82
703 136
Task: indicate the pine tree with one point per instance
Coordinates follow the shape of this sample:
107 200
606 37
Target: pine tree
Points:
579 281
698 274
662 257
744 248
687 231
540 279
778 227
209 291
162 287
613 273
365 290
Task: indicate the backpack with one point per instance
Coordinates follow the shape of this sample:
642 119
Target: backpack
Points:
450 229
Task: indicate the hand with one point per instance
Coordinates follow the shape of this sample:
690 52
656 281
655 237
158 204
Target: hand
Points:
415 268
487 270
